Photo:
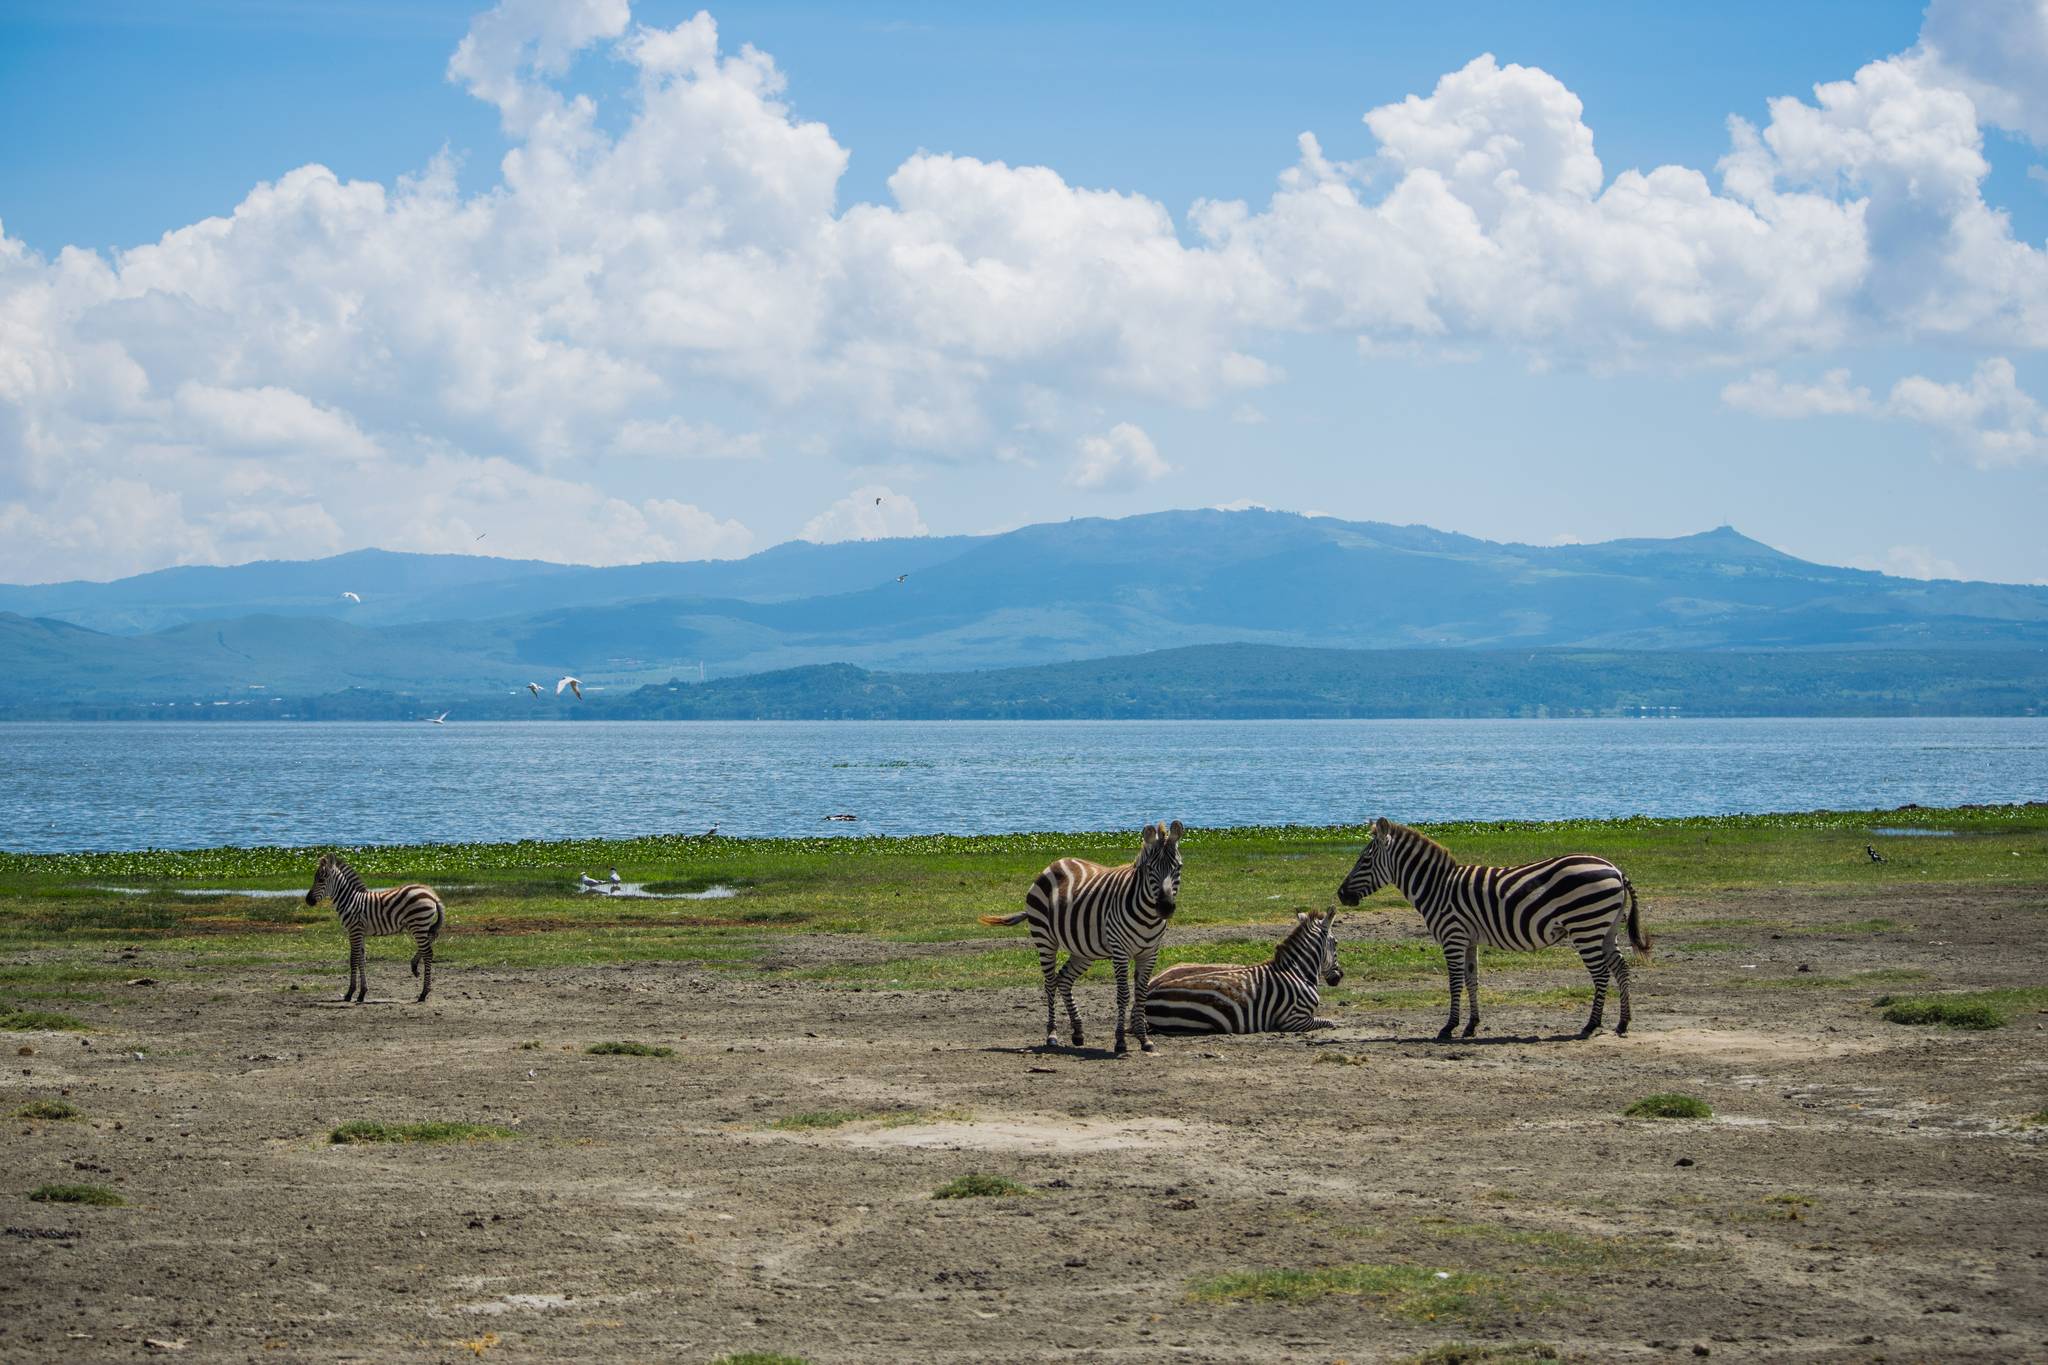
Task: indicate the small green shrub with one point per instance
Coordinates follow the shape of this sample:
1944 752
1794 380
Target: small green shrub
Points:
1949 1012
2037 1119
1668 1107
629 1048
368 1130
76 1194
530 1045
1408 1291
47 1109
979 1186
38 1021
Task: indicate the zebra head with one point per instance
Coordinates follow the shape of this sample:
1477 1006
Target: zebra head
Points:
1327 968
1159 866
320 876
1372 871
1310 949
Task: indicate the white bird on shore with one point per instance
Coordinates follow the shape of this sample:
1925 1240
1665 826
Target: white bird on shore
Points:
441 719
353 598
573 684
534 688
615 879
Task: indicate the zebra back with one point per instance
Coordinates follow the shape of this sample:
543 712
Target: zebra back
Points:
1087 908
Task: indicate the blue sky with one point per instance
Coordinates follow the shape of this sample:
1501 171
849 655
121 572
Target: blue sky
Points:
676 332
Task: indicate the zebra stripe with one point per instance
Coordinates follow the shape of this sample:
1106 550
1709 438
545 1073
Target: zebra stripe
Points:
1577 899
1279 996
411 909
1094 912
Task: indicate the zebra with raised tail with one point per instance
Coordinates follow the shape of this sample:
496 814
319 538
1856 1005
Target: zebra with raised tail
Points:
1093 912
1577 899
1279 996
411 909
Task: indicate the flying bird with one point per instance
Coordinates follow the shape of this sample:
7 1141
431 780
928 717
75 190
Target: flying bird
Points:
573 684
533 688
441 719
353 598
900 577
481 537
878 502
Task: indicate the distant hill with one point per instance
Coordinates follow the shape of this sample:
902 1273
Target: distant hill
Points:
1271 682
471 627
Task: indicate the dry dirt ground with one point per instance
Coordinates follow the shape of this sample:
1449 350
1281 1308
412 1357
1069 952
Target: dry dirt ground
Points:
1865 1191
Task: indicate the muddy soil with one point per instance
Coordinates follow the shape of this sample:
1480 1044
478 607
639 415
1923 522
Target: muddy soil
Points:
1865 1190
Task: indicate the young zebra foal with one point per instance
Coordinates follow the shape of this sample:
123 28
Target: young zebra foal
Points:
1577 899
1093 912
1277 997
410 909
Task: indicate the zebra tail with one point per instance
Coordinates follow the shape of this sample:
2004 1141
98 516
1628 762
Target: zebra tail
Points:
1636 937
1017 918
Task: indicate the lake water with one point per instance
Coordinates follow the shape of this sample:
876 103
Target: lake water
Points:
67 786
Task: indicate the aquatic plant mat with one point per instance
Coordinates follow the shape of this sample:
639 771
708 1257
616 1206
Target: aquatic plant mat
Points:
847 1041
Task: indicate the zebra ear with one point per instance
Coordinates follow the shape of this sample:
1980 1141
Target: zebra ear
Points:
1175 829
1329 914
1380 825
1151 835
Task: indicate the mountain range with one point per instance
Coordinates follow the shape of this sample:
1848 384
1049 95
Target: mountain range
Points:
452 628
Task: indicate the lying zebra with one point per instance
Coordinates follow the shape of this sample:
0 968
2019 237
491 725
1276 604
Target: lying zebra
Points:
1577 899
411 909
1276 997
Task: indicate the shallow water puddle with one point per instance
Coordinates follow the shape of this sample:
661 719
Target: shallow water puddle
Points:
637 891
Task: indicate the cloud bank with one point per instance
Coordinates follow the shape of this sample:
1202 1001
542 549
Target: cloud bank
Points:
340 363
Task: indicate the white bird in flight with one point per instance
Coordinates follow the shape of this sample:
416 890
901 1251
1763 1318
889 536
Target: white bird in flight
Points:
573 684
441 719
900 577
533 688
353 598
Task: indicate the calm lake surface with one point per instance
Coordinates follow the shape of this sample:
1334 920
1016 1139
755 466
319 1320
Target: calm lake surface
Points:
67 786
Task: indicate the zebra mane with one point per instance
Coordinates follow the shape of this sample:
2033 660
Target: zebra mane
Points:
1299 942
344 876
1417 839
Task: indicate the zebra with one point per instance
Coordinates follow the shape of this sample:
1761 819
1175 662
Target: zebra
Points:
1093 912
410 909
1277 997
1576 898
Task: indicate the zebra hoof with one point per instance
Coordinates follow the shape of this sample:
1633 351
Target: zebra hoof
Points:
1621 1030
1588 1031
1443 1035
1148 1046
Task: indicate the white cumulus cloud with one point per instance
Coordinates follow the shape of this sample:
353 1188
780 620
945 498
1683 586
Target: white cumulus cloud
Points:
1119 459
1765 394
873 512
1990 416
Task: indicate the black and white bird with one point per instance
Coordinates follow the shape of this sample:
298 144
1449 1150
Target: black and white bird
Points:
534 688
900 577
711 833
615 879
1875 856
573 684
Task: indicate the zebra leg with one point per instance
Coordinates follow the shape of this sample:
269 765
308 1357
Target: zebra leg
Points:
1121 965
1620 965
359 968
1048 963
1454 959
1139 1023
1599 958
1076 964
1472 990
423 962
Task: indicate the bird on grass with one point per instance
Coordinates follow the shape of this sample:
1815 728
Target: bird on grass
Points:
711 833
1875 856
534 688
353 598
573 684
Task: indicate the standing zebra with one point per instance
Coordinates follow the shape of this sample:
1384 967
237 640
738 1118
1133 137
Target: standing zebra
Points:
1576 898
1277 997
410 909
1093 912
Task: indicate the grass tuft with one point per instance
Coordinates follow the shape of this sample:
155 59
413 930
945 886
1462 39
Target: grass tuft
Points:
2037 1119
369 1130
1408 1291
76 1194
629 1048
1669 1107
1947 1011
47 1109
980 1186
38 1021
